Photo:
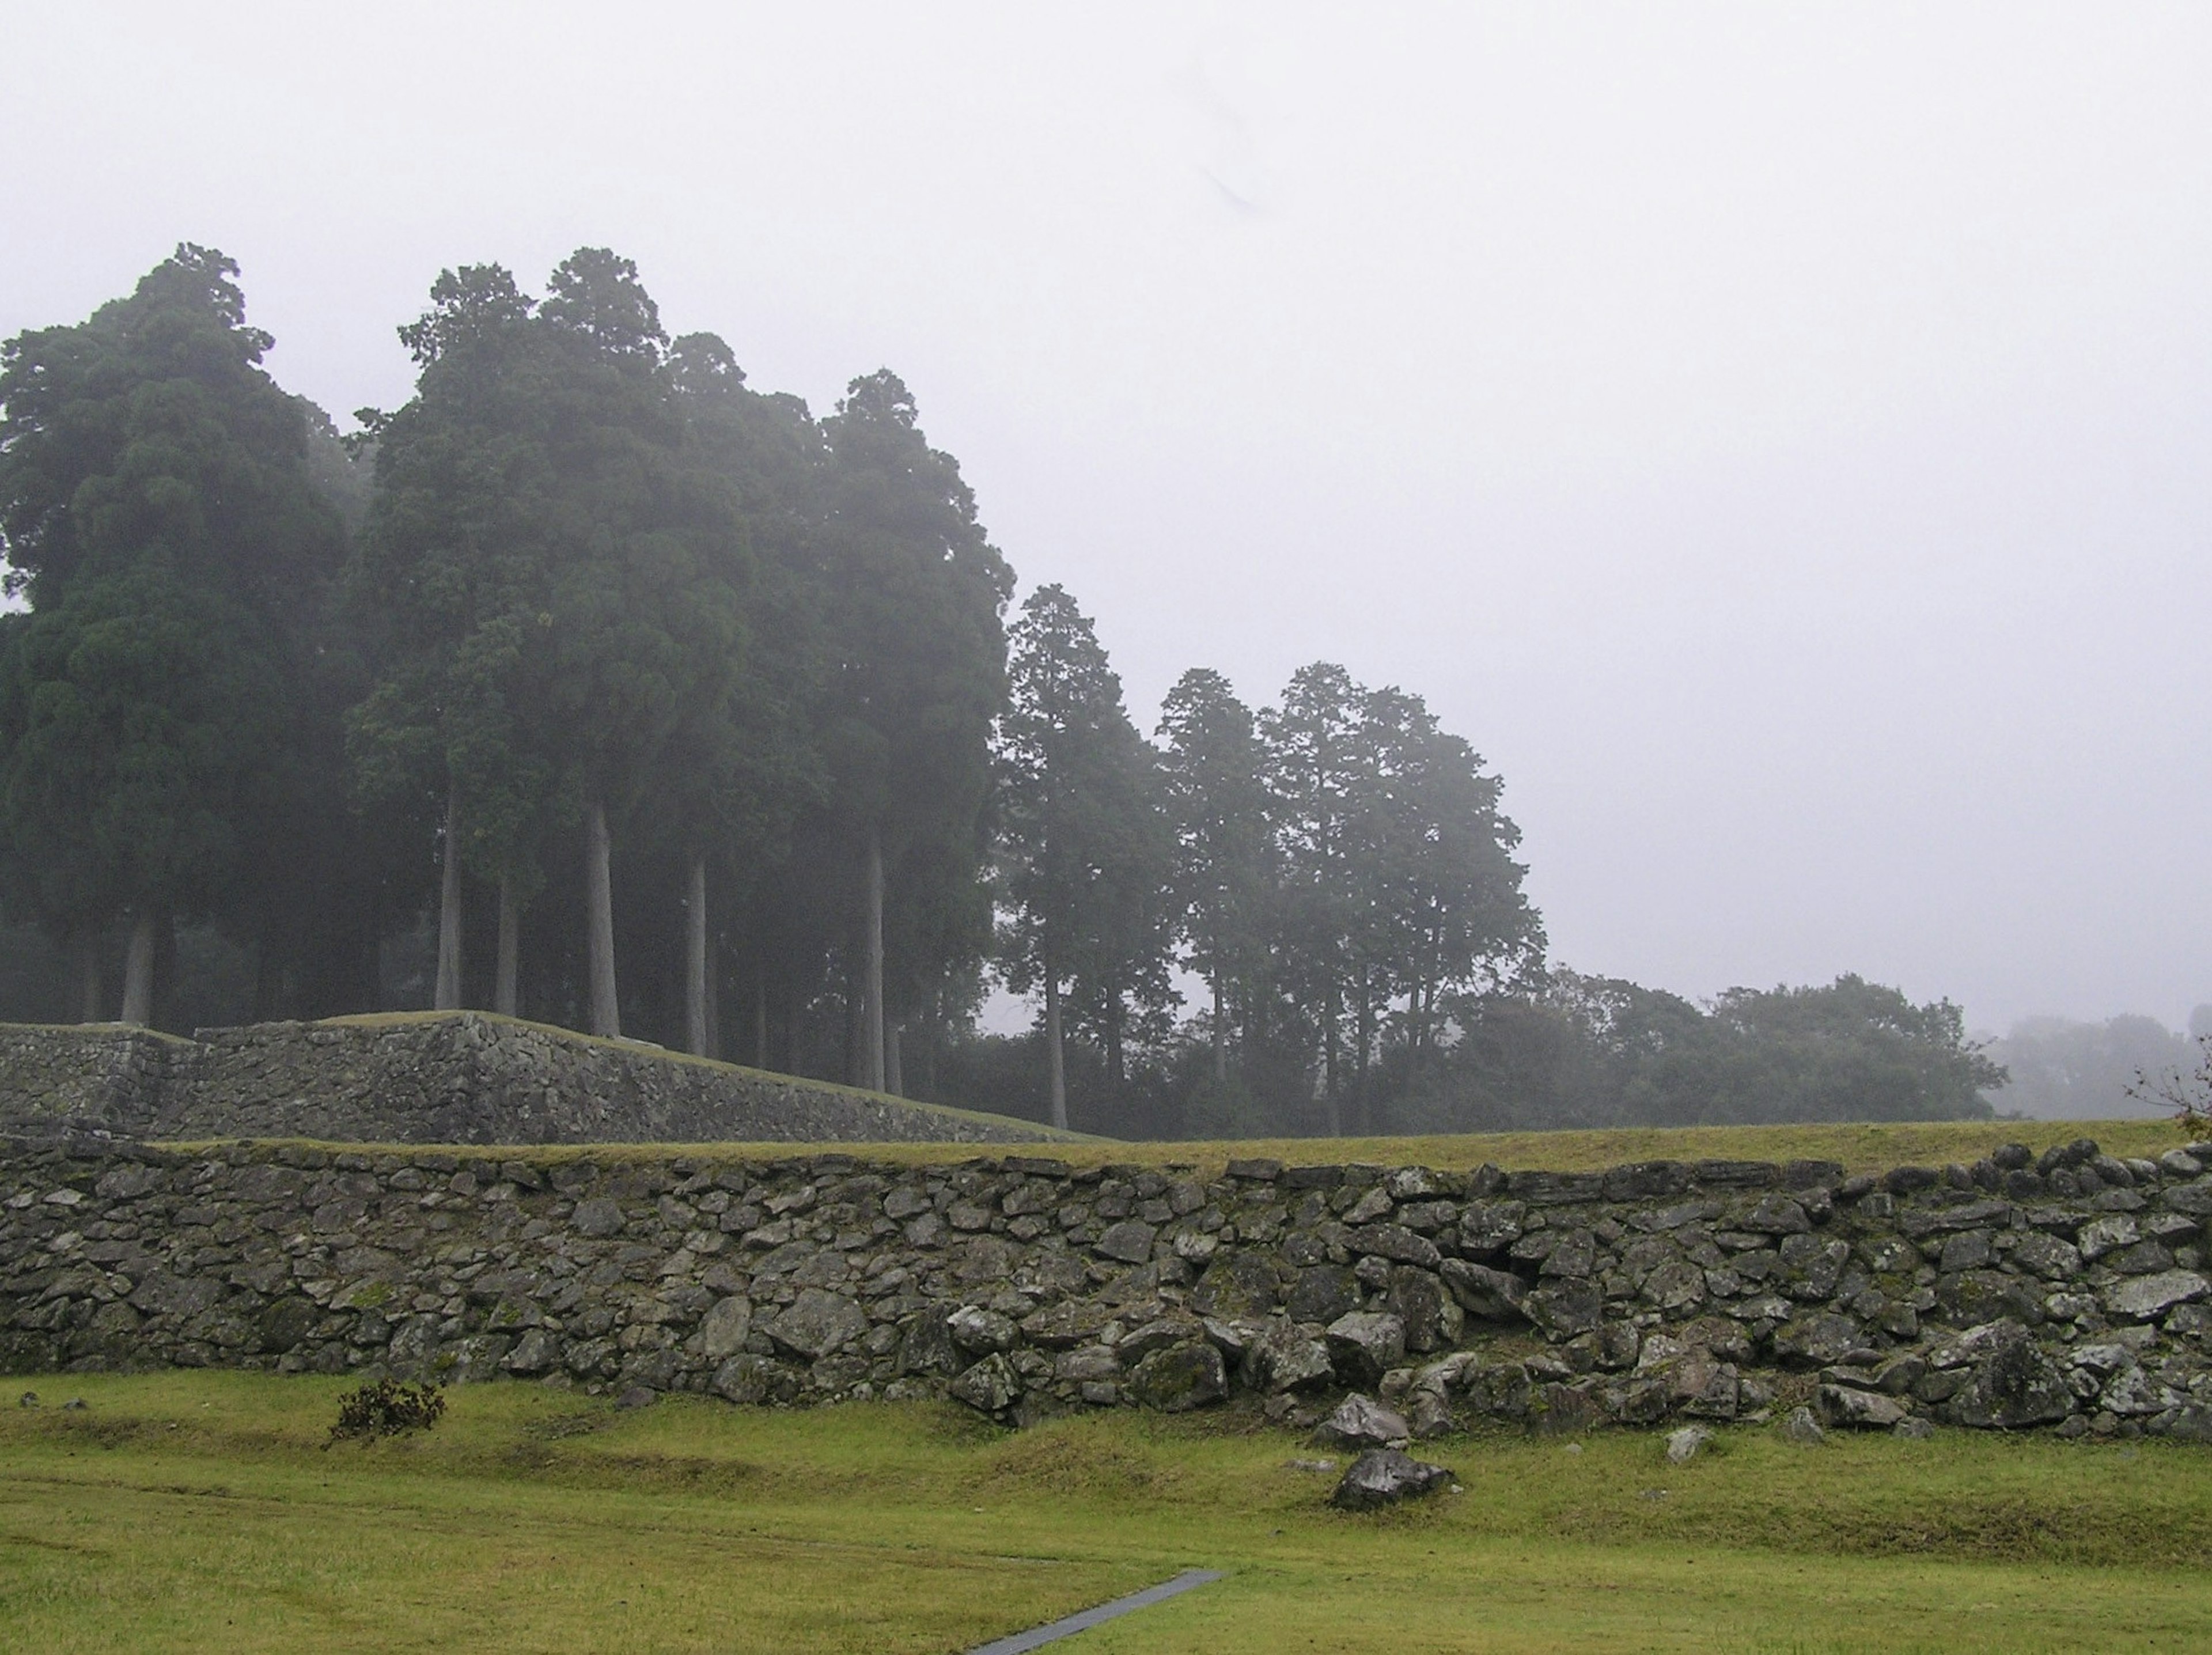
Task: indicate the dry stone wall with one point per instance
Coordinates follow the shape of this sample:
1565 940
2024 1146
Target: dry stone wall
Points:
2068 1291
458 1079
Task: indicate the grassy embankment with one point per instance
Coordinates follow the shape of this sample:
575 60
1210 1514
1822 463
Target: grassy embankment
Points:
201 1512
1861 1148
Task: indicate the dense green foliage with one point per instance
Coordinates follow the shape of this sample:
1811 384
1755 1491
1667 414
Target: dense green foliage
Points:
592 684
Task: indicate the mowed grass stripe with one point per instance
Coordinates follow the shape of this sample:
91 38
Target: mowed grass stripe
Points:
1867 1148
199 1511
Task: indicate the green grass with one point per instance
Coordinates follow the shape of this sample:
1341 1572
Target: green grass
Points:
201 1511
1861 1147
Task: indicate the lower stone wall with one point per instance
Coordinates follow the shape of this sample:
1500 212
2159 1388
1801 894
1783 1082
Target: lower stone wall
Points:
2067 1292
456 1077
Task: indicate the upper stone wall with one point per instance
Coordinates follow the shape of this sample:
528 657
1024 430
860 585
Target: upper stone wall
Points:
458 1078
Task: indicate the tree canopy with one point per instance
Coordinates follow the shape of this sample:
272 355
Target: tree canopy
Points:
594 650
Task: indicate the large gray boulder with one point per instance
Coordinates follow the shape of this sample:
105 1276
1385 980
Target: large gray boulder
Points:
1288 1356
1180 1377
817 1323
1364 1345
1383 1476
1361 1422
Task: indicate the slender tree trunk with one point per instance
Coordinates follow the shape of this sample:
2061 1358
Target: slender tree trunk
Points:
446 996
507 989
696 1031
760 1017
138 971
600 922
1114 1066
714 1008
1366 1043
894 1071
1220 1034
871 986
1054 1065
1328 1064
856 1064
88 955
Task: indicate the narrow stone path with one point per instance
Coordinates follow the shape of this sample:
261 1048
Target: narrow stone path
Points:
1038 1637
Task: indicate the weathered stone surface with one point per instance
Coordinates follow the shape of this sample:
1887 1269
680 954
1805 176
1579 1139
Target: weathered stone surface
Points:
1289 1356
1179 1377
1383 1476
724 1328
1361 1423
2143 1297
807 1279
817 1323
989 1387
1396 1243
1564 1311
1130 1241
1364 1345
2011 1383
1800 1426
1816 1341
1682 1445
980 1331
1866 1410
1494 1295
1245 1284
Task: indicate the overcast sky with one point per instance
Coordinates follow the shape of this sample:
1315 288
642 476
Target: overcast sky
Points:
1777 437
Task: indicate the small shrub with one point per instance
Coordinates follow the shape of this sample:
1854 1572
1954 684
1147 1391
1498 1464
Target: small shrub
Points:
387 1409
2188 1096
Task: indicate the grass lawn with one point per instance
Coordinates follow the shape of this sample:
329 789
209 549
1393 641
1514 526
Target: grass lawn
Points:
201 1512
1860 1147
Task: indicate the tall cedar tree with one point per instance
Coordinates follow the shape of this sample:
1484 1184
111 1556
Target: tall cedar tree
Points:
1217 809
1086 851
562 585
914 675
158 511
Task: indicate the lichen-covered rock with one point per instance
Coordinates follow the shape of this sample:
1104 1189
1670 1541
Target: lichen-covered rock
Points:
1288 1356
989 1387
1179 1377
979 1331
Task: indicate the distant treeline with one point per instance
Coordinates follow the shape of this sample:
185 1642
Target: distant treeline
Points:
592 653
2062 1069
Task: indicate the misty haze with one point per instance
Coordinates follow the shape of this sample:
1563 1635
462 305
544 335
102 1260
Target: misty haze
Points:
866 827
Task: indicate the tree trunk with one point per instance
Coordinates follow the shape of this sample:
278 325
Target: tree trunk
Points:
600 922
872 985
446 996
1328 1064
894 1072
138 972
695 1032
1220 1034
507 995
1366 1042
88 954
1114 1068
760 1017
1057 1068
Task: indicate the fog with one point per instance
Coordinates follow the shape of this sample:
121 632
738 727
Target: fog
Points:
1776 438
